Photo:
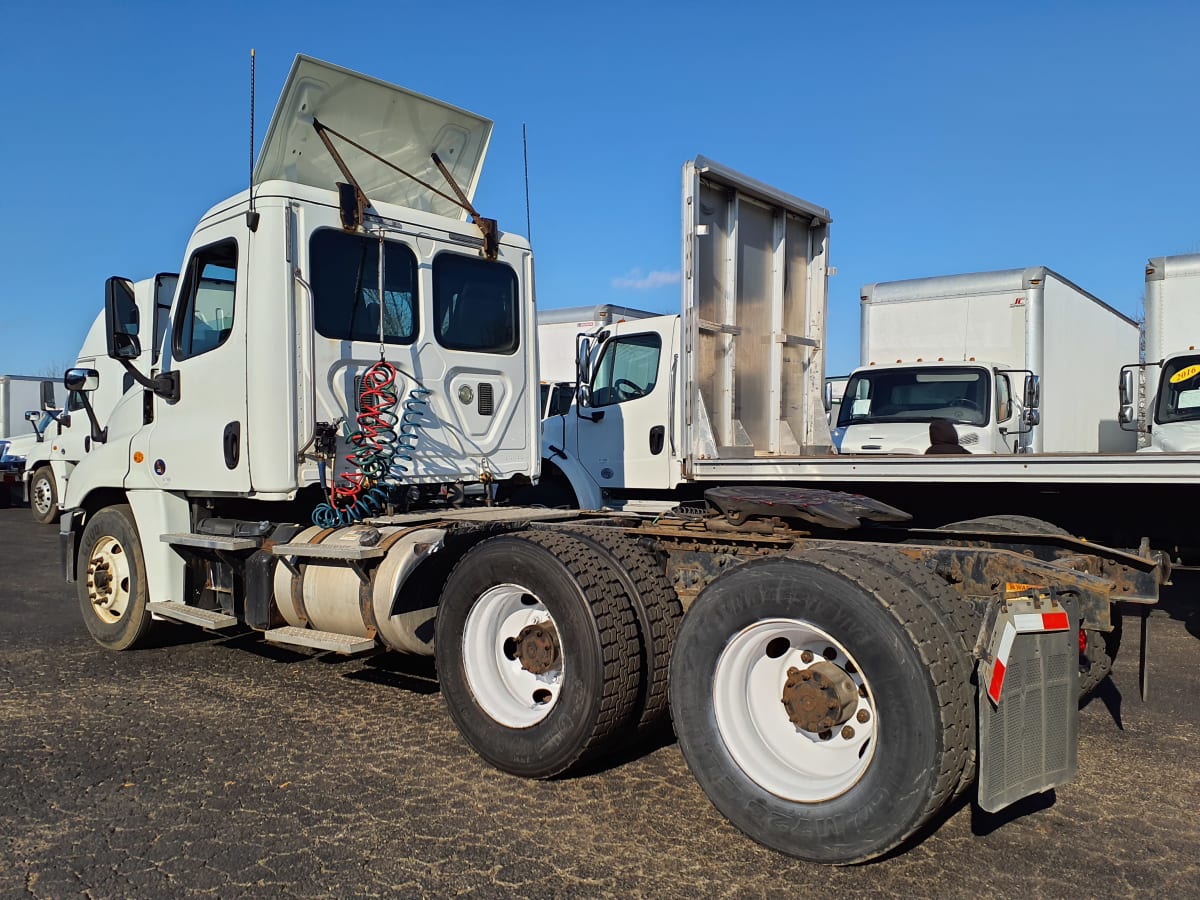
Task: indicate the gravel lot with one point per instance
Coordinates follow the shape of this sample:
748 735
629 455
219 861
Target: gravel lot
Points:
221 766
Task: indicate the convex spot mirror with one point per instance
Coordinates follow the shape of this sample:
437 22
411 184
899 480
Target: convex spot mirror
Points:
84 380
121 319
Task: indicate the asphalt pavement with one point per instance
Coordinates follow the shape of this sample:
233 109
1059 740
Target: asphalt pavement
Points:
220 766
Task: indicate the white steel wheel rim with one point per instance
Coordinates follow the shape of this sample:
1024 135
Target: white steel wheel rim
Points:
503 688
779 756
41 496
108 580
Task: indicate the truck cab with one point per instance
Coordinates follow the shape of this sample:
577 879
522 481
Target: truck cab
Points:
339 325
1172 410
888 409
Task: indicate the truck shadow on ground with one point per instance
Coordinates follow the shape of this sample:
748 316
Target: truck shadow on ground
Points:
417 674
1110 695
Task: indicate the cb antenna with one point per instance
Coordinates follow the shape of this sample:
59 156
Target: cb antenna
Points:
251 214
525 151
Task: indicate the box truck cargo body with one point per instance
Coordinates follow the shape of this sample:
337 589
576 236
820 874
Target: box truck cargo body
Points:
557 329
1168 405
1019 360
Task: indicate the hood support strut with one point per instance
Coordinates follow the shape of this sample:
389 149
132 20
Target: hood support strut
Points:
487 227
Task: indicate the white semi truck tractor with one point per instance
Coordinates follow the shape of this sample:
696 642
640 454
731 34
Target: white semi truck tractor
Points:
351 346
1166 404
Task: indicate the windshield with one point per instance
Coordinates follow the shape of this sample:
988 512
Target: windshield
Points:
1179 390
959 395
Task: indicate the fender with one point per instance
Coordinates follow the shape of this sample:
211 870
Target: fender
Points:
587 492
558 434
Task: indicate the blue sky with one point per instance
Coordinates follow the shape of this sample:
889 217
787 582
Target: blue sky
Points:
943 137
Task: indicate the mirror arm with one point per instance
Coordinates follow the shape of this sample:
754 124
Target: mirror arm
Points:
165 385
99 435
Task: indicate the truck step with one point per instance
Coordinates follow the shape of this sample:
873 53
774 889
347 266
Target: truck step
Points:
211 541
346 644
208 619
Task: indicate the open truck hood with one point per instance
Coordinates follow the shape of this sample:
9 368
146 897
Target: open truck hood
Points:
401 127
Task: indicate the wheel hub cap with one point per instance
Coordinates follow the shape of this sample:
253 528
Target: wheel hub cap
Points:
537 647
820 697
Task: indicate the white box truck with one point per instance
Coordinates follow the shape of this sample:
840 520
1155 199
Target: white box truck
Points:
1166 403
964 348
824 688
558 330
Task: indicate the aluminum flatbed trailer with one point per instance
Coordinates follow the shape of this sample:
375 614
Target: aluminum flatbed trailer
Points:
1122 500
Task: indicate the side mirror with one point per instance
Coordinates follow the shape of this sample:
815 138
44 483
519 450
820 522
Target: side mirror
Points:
828 398
84 380
48 401
1033 394
121 319
1032 417
32 415
1127 415
1126 389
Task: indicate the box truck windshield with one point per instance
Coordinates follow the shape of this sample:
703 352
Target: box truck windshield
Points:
960 395
1179 397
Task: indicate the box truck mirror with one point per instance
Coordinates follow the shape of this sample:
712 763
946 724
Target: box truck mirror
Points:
828 398
1126 389
1032 417
1127 415
48 402
1033 393
121 319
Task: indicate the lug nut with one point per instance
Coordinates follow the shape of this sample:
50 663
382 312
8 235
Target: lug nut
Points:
847 733
806 656
793 672
864 716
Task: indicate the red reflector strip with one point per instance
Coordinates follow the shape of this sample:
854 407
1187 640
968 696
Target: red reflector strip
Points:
1031 622
997 681
1055 621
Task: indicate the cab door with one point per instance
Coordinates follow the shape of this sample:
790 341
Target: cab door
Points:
198 442
624 432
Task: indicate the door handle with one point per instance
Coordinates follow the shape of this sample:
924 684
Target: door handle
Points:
232 444
657 433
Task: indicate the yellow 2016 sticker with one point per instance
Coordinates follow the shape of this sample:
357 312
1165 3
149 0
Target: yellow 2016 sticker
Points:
1185 374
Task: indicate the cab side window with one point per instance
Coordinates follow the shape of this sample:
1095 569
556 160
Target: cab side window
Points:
1004 405
207 300
627 369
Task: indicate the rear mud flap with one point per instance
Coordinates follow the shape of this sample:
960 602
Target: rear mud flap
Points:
1028 703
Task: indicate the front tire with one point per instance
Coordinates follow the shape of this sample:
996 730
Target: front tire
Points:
846 763
43 496
537 653
112 588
